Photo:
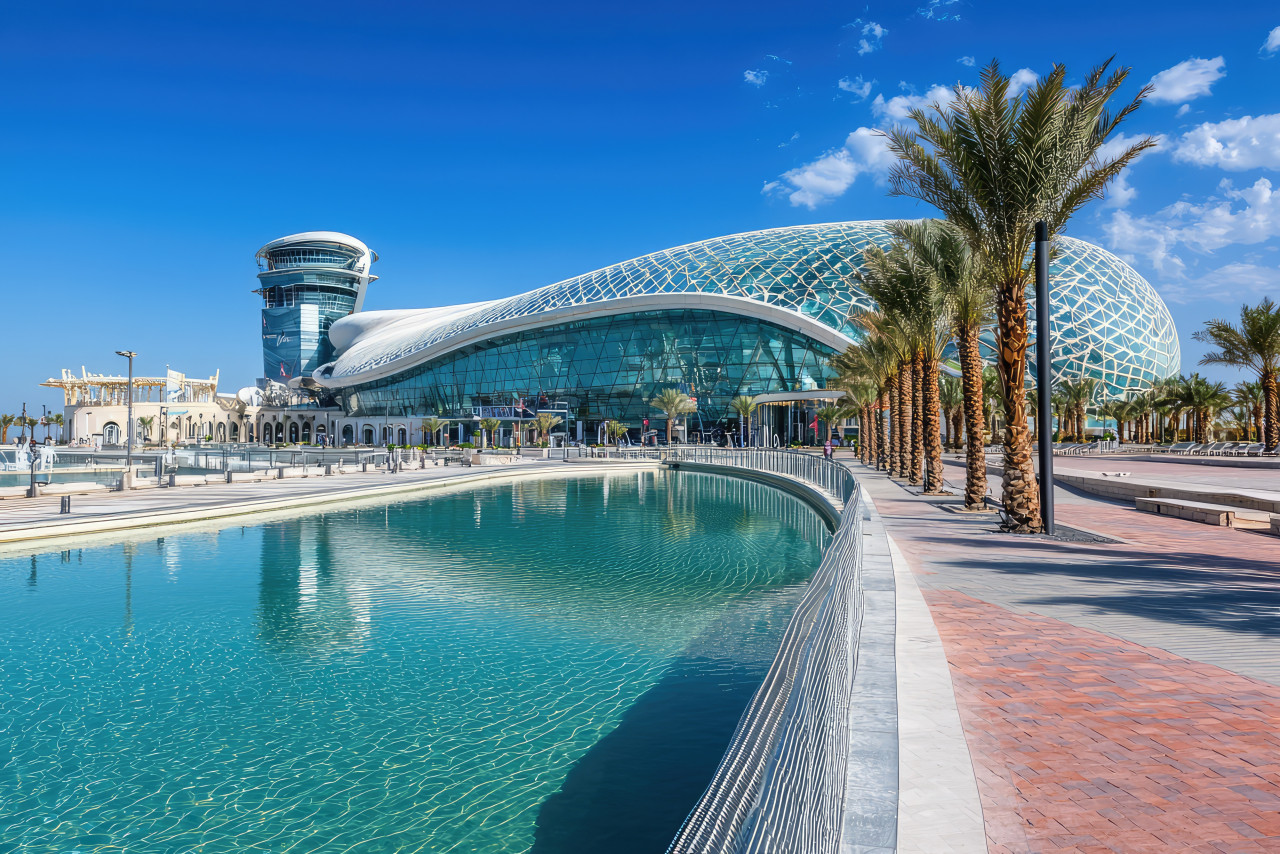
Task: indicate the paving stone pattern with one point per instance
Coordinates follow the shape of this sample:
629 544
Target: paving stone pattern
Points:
1116 697
1083 742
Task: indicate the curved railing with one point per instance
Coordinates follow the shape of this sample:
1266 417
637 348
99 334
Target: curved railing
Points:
781 784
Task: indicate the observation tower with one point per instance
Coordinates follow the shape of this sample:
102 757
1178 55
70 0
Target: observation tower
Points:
308 281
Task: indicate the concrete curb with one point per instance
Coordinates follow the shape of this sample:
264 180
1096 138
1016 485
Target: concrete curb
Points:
939 808
235 507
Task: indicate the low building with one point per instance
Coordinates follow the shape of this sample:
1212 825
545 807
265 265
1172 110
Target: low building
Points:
168 409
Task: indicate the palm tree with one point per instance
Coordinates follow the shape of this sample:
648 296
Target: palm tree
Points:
831 416
1077 394
146 422
871 362
433 426
1110 409
1254 344
58 420
1238 420
546 422
891 345
903 289
743 405
1060 403
990 394
615 430
1250 396
995 165
944 250
673 403
1204 399
489 425
951 401
861 397
6 421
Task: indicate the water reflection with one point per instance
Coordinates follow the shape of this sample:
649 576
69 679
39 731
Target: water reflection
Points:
426 674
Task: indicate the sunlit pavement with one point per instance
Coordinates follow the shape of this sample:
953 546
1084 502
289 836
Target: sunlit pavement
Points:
1114 696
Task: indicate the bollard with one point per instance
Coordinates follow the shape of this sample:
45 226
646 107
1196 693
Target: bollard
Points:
280 473
228 477
66 504
173 479
328 469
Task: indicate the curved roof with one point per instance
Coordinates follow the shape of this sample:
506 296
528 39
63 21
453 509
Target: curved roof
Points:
1107 319
318 237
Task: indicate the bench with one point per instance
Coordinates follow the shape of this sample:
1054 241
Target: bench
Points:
1219 515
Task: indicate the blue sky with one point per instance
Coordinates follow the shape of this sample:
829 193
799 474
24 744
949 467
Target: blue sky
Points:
484 149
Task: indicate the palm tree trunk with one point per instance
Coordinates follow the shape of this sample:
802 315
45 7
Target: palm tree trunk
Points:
975 462
932 428
872 410
917 417
1021 491
957 416
905 385
882 441
1271 408
869 428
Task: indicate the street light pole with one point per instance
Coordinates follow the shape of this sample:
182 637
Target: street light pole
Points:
1044 377
127 480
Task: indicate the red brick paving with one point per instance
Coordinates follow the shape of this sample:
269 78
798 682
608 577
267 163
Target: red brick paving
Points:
1086 743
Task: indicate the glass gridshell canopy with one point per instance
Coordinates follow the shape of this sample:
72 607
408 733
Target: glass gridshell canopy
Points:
1108 322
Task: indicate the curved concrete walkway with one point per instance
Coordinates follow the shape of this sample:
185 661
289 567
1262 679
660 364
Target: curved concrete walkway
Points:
1116 697
25 522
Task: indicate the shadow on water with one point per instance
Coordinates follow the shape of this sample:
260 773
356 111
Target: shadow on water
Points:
631 792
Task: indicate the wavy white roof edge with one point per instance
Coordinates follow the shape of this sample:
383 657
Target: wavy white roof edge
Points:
324 236
375 345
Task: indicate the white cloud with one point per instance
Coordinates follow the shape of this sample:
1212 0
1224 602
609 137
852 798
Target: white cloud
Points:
1120 194
938 10
1120 142
864 152
1237 281
1131 236
755 78
1272 44
856 86
1182 111
872 36
897 108
1187 80
1235 144
1020 81
1240 217
967 61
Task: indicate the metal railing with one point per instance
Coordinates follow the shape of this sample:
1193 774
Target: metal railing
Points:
781 784
827 475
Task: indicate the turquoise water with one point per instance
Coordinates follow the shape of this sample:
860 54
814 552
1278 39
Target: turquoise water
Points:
554 665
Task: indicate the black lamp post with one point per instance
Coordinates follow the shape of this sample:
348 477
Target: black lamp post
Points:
127 480
1044 378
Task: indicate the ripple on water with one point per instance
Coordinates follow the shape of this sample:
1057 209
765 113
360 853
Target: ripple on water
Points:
475 671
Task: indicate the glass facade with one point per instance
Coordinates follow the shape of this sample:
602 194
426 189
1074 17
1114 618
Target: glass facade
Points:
306 285
607 368
1108 323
